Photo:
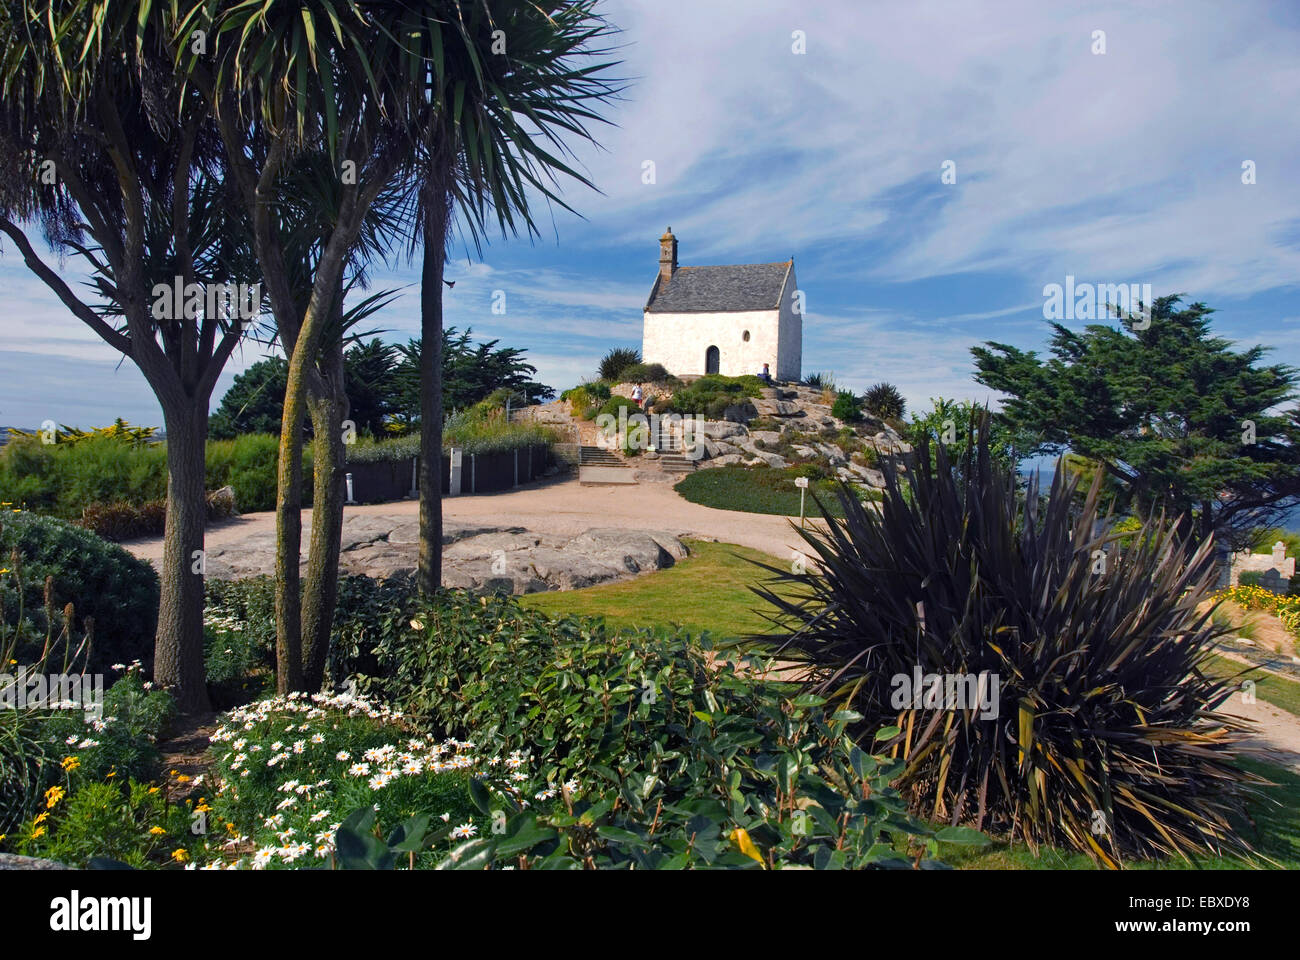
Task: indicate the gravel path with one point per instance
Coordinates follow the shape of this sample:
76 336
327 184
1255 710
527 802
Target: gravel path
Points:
560 506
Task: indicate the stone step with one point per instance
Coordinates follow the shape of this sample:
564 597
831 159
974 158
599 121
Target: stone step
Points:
599 474
676 464
598 456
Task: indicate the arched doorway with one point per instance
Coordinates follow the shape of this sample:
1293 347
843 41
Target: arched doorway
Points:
712 359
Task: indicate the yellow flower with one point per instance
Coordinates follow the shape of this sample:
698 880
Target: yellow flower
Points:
38 832
202 808
43 816
182 779
70 763
179 855
157 831
53 796
153 790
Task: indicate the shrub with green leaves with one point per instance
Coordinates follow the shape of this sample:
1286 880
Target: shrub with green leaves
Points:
646 373
27 755
103 582
676 750
64 479
247 464
884 402
239 620
846 407
122 742
1105 736
288 770
616 361
710 396
125 821
40 749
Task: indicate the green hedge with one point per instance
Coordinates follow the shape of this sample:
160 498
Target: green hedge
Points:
63 479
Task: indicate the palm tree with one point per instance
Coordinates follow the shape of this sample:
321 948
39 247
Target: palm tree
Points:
507 81
282 89
460 103
118 163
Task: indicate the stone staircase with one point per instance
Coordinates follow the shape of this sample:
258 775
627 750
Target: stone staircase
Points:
597 465
675 463
599 457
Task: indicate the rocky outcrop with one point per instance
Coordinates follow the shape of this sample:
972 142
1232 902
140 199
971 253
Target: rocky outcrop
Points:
722 429
14 861
475 556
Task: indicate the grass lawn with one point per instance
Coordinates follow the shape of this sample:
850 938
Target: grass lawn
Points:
1275 834
709 590
756 490
1269 687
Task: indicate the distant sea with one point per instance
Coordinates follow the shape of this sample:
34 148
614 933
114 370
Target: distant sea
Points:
1046 467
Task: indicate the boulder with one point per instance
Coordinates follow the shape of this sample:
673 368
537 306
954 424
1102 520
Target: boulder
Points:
771 459
717 448
487 544
832 452
743 412
889 442
726 460
767 436
775 408
14 861
871 477
221 504
721 429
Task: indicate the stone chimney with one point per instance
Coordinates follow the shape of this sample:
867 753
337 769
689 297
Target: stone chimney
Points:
667 256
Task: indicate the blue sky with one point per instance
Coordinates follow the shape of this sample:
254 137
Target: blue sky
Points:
1122 167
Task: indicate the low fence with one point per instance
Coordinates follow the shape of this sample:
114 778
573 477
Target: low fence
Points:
386 480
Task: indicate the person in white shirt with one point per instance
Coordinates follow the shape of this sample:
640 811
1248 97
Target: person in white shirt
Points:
636 394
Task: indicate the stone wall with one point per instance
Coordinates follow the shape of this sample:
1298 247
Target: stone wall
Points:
789 365
680 340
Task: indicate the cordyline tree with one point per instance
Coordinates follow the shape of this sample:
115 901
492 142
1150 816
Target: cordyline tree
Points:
288 83
121 165
1177 418
503 83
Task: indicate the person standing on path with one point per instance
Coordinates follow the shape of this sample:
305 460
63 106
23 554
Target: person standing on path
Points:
636 395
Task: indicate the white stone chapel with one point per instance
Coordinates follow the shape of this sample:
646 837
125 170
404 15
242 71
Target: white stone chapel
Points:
723 319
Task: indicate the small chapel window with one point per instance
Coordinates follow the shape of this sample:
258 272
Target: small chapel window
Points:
746 336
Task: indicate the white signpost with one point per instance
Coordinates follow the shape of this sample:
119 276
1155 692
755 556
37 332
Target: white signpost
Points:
802 484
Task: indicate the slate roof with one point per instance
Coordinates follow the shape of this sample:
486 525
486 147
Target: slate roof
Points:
746 286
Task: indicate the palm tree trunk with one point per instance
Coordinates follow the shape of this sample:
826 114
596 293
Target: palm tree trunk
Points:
328 405
178 642
437 216
288 533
